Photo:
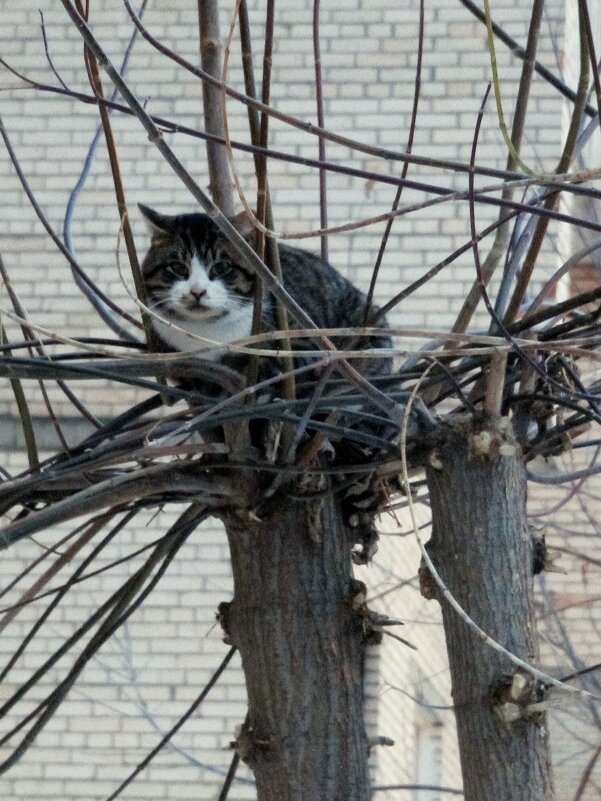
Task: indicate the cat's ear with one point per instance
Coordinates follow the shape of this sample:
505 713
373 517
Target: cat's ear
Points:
243 224
157 224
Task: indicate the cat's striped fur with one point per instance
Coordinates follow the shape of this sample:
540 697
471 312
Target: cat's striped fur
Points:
195 285
205 299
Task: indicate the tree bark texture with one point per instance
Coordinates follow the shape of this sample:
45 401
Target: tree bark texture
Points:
482 548
302 648
211 56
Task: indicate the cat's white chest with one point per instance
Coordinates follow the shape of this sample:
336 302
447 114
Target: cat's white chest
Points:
201 335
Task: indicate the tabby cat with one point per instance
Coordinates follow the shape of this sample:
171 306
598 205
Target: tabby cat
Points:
193 281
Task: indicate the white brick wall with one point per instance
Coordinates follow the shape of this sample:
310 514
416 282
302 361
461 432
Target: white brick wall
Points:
422 674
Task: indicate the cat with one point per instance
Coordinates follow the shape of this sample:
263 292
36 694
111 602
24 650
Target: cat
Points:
193 281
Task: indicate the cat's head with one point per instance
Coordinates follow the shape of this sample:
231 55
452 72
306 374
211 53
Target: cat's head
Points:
189 271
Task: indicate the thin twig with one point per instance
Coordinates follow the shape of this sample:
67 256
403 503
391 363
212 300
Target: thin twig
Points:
97 88
24 413
432 788
231 774
323 197
587 773
517 131
47 51
397 198
177 726
96 292
564 162
586 20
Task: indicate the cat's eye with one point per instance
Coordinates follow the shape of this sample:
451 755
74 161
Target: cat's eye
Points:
175 269
220 269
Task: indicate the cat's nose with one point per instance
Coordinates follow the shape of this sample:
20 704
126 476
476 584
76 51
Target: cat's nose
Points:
197 292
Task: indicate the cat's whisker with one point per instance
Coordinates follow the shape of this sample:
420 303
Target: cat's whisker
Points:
165 302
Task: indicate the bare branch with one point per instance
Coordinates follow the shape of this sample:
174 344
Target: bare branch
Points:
211 54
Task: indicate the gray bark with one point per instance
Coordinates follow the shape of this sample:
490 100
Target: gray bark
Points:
302 649
483 550
211 55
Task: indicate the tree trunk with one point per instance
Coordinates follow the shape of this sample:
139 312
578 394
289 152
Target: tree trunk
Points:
482 548
302 648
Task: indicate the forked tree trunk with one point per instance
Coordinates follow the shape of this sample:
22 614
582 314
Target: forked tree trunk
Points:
302 649
483 550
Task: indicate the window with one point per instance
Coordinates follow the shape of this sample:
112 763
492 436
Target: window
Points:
428 753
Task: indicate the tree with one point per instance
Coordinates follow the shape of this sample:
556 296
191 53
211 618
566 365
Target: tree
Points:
298 617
